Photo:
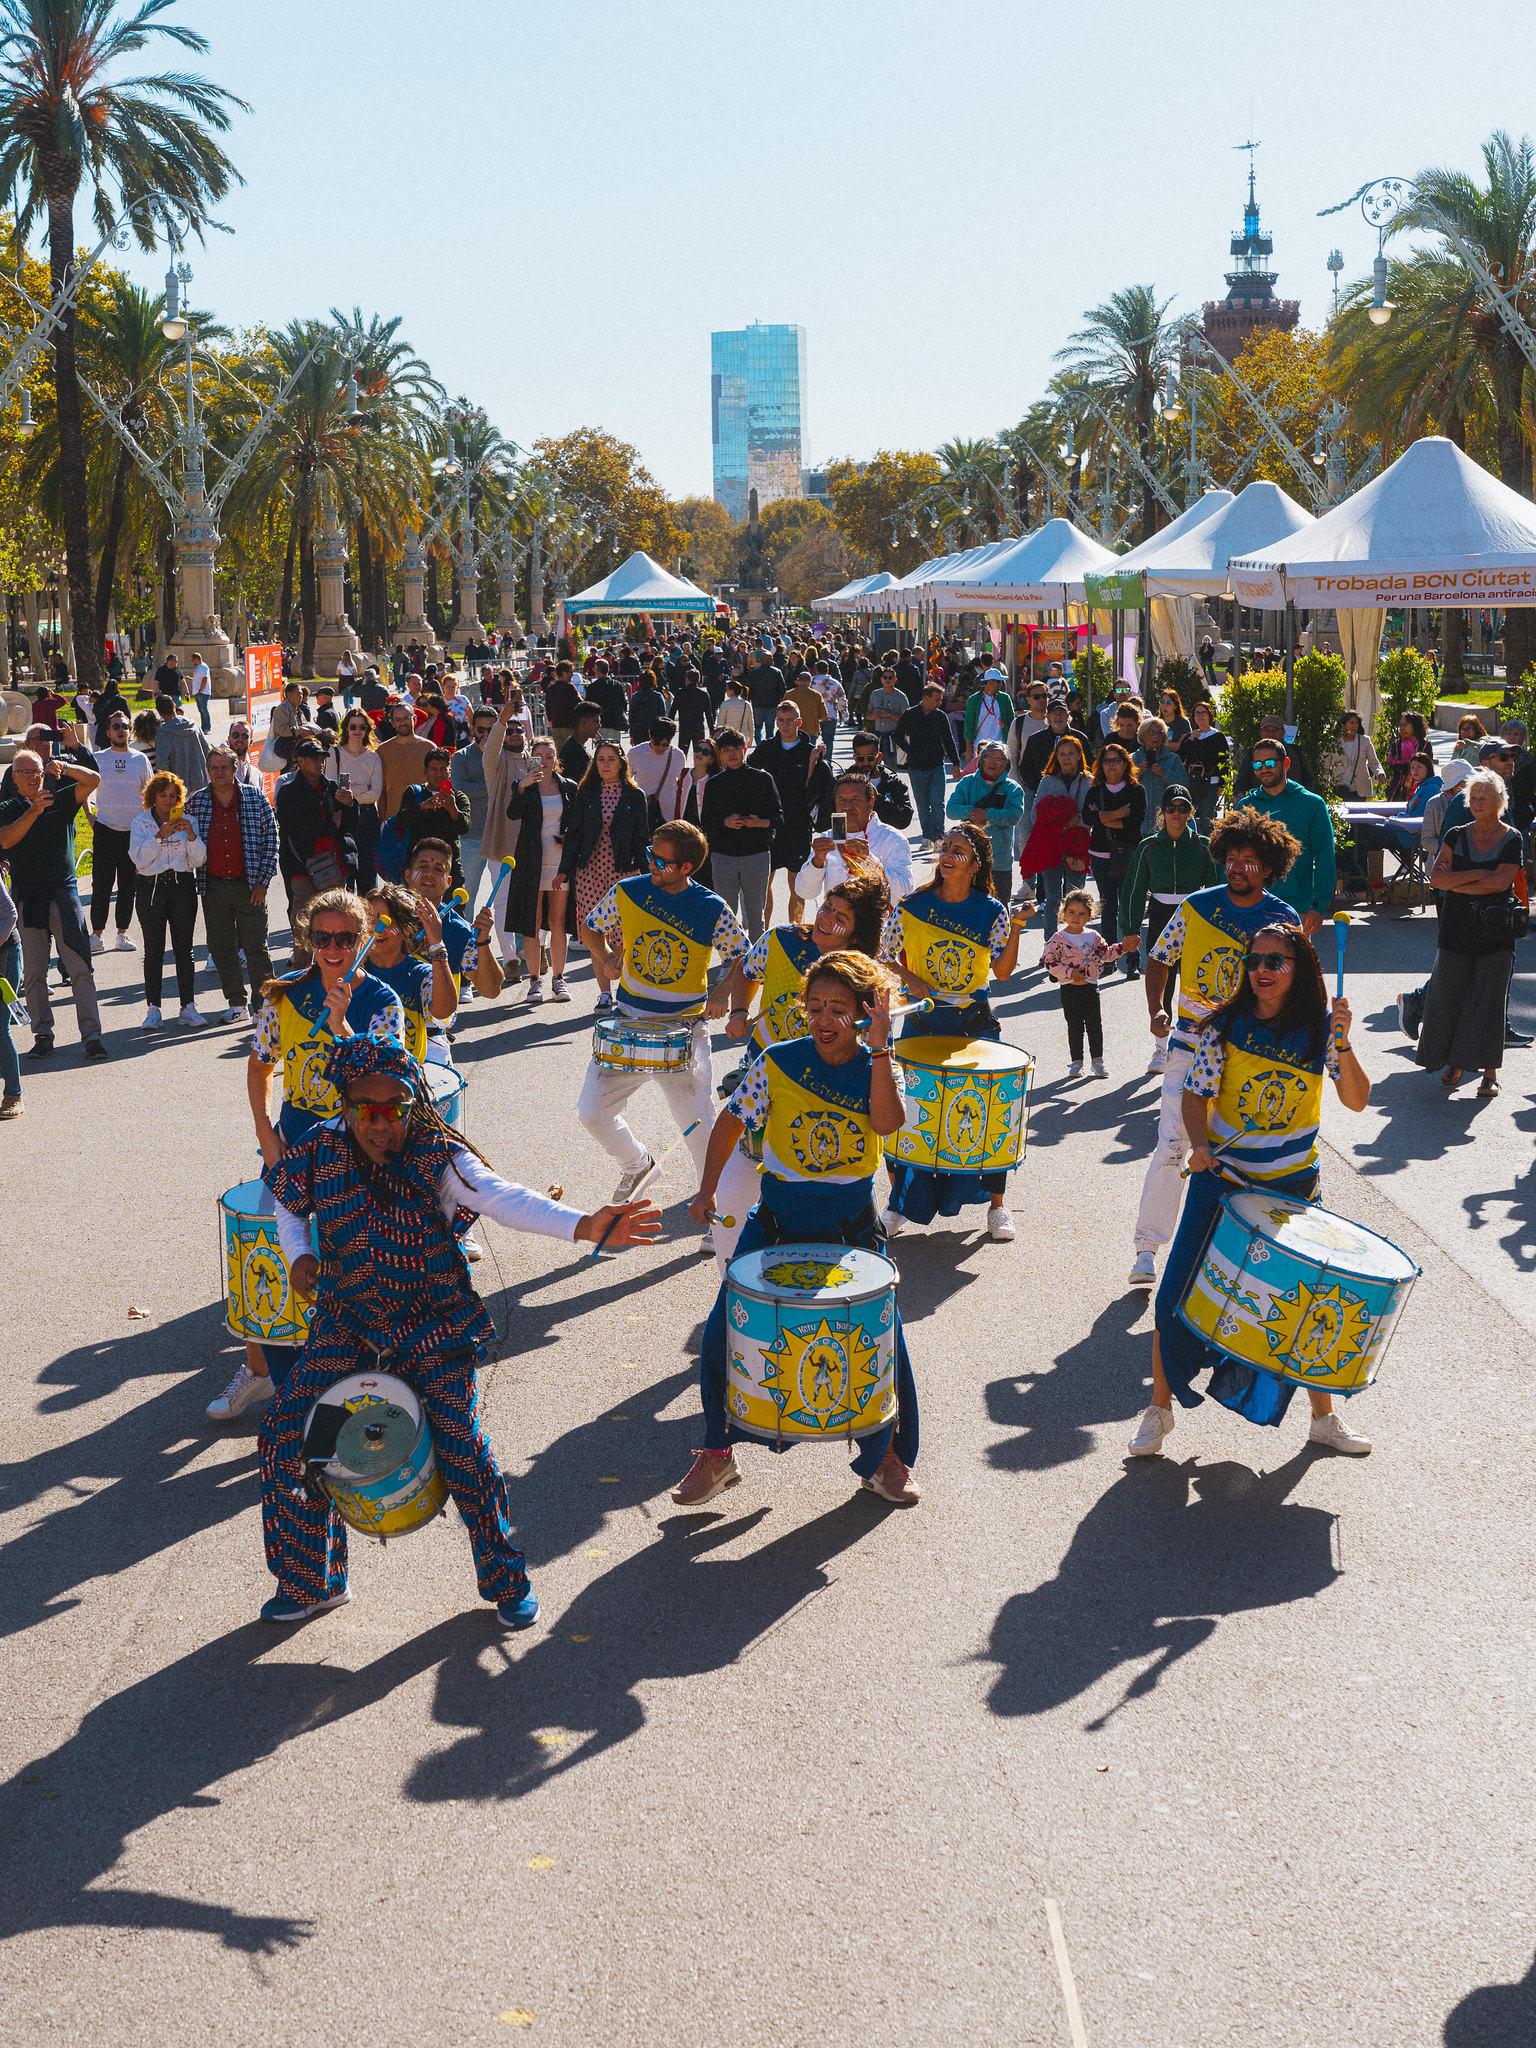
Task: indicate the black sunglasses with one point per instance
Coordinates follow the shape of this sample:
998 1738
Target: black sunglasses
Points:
1271 963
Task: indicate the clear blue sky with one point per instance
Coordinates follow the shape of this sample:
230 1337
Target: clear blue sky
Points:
564 198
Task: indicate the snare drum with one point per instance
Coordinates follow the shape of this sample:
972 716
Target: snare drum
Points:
660 1048
259 1302
1297 1291
972 1099
448 1089
811 1341
380 1469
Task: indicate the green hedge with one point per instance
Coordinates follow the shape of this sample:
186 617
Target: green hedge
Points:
1407 683
1318 684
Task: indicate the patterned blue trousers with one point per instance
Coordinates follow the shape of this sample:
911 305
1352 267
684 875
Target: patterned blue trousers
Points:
306 1543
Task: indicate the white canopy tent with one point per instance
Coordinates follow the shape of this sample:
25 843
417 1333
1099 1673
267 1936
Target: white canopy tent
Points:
1172 623
1045 568
1434 529
639 585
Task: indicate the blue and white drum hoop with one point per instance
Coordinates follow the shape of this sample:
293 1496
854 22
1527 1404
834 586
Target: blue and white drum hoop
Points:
449 1091
665 1047
384 1479
1291 1288
810 1339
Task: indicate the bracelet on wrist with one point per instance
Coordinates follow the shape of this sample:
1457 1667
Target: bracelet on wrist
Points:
879 1052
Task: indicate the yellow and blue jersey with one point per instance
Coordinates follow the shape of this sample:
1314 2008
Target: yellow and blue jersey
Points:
814 1118
1265 1094
411 980
283 1035
664 942
778 961
1208 936
951 946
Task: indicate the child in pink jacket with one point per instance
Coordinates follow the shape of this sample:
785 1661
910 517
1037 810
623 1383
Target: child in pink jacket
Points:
1076 957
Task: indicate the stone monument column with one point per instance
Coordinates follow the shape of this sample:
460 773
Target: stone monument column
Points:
415 625
468 625
199 633
506 577
334 635
535 584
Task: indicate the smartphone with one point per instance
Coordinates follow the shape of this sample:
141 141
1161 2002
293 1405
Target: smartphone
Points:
445 788
55 748
839 827
344 782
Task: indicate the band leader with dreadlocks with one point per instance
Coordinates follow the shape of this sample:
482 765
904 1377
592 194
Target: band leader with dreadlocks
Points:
393 1190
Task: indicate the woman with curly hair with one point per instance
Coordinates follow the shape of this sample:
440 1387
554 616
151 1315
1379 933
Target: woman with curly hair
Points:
950 939
167 853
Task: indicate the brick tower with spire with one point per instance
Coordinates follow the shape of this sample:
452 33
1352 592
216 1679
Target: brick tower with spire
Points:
1250 303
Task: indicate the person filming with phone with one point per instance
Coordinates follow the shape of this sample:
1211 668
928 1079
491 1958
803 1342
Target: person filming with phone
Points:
857 838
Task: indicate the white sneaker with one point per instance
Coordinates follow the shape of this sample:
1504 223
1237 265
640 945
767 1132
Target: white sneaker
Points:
1159 1060
1336 1433
466 995
1000 1226
1156 1424
474 1250
191 1016
558 992
98 943
604 1003
893 1223
237 1013
535 991
125 944
630 1184
152 1017
1100 1071
1144 1270
246 1390
1074 1068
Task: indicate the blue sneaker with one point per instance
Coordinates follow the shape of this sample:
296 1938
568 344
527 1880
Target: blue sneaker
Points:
521 1613
279 1608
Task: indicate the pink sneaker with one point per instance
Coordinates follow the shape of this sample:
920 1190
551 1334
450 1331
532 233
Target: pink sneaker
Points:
710 1473
893 1481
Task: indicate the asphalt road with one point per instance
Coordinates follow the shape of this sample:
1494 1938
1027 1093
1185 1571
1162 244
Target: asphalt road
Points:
1257 1719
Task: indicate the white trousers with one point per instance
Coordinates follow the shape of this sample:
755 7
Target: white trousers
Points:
1162 1192
734 1197
689 1096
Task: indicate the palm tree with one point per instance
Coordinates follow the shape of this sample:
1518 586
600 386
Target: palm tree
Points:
1442 312
1123 352
63 123
399 398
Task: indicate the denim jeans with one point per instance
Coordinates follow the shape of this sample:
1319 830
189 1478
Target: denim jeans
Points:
201 701
928 800
1053 885
10 970
474 867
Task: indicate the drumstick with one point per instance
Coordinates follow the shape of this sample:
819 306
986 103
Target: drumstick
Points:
1340 933
507 866
901 1010
660 1163
379 929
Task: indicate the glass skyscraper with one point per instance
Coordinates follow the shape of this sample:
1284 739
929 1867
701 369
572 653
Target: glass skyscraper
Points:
756 391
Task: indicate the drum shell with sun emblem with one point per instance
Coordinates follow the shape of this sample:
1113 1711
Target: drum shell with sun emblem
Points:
810 1342
971 1102
259 1302
661 1048
412 1490
1297 1291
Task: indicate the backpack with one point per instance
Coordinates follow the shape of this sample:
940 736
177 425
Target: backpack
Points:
393 850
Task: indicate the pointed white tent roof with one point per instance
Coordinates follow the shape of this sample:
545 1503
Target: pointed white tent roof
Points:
1042 569
1192 516
1433 529
840 596
640 585
1195 561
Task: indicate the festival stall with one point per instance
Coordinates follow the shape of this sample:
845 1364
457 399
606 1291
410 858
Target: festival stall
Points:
638 586
1435 529
1123 588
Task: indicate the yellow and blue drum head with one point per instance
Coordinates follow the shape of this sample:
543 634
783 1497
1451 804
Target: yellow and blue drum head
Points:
971 1096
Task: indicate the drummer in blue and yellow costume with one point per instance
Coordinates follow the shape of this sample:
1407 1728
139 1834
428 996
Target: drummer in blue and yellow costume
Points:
426 987
851 918
392 1190
470 954
950 939
1252 1109
850 1092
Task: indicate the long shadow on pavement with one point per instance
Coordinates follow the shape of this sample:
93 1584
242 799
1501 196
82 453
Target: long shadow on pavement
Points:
1093 1382
1151 1571
1495 2016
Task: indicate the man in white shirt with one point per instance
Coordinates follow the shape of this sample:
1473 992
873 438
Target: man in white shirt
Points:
202 693
119 800
867 836
661 770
